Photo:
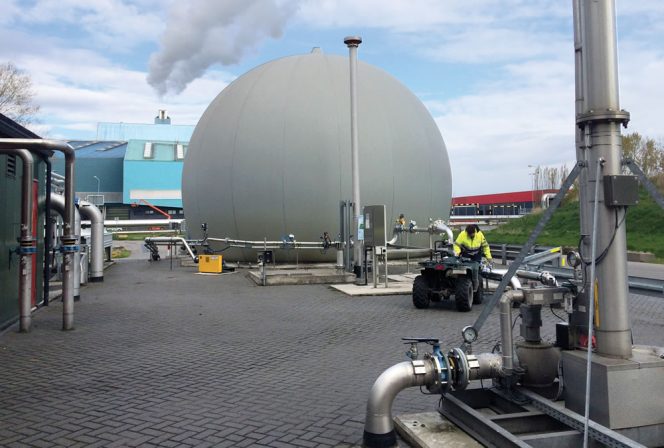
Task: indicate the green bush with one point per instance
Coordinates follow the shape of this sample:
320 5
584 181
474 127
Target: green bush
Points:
645 227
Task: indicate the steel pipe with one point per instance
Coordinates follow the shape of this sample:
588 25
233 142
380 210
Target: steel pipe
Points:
69 239
598 120
91 212
378 426
506 301
264 245
27 247
353 42
158 240
48 230
58 205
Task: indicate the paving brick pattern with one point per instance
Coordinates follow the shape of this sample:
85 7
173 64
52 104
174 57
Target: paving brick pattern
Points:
175 359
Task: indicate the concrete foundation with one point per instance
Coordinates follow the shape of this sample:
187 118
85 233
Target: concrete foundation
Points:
624 392
274 277
430 429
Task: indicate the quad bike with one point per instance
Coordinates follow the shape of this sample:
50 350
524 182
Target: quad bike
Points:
445 275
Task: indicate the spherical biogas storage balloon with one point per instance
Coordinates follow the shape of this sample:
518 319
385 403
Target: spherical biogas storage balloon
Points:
271 154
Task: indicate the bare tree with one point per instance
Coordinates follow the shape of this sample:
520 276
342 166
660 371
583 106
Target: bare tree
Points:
648 155
549 177
16 95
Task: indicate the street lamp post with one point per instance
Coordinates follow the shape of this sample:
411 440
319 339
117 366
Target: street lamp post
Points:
534 174
98 183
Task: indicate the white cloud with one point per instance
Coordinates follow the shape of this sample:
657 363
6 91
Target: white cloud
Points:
116 24
76 88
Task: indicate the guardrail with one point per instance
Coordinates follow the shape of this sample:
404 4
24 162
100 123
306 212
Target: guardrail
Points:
508 252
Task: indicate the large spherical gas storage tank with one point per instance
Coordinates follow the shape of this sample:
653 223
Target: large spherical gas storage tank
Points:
271 154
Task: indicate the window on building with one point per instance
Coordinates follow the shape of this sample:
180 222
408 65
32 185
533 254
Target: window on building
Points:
149 212
179 151
147 151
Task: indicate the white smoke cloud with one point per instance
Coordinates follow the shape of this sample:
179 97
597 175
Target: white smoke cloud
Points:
201 33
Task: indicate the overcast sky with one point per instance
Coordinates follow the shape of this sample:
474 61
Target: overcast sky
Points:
497 75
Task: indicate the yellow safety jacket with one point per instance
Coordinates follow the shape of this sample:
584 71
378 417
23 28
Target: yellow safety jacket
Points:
472 247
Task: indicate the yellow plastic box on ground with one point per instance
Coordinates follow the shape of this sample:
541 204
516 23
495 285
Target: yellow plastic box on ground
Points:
210 264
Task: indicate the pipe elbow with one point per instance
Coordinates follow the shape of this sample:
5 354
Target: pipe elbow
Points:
378 427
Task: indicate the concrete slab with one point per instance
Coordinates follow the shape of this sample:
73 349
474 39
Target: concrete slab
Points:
402 277
275 277
430 429
394 288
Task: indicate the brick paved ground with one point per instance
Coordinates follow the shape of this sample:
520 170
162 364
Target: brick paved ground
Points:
171 358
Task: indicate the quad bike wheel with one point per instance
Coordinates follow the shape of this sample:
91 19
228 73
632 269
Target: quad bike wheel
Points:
421 298
463 294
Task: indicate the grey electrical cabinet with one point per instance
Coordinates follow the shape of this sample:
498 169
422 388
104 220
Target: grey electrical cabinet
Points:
375 229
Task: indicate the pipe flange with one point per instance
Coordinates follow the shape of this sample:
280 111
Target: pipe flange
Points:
442 385
610 116
462 377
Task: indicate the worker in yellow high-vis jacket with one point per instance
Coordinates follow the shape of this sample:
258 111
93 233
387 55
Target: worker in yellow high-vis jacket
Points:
471 244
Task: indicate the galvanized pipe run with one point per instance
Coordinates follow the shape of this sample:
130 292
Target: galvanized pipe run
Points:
353 42
265 245
58 205
166 240
69 239
91 212
378 426
27 247
507 341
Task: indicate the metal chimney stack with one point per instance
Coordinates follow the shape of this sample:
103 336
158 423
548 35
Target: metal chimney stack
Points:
353 42
598 139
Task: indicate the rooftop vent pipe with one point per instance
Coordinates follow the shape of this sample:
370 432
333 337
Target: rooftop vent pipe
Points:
162 117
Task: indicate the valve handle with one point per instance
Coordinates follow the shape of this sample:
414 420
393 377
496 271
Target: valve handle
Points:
430 341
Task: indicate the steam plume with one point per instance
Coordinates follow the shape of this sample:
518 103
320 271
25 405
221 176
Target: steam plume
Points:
200 33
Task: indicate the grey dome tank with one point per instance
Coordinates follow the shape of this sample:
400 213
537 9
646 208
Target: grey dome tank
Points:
271 154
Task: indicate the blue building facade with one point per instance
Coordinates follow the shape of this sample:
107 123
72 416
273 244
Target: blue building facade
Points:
153 173
131 167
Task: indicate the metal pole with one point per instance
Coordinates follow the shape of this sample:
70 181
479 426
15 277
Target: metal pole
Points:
385 258
591 305
353 42
407 257
600 118
48 224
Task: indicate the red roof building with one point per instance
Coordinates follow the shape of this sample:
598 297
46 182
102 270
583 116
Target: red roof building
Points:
513 203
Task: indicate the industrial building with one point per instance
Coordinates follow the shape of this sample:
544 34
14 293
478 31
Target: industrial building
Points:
504 204
132 170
